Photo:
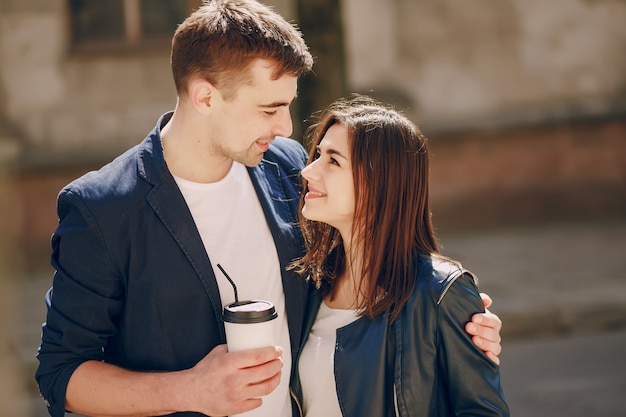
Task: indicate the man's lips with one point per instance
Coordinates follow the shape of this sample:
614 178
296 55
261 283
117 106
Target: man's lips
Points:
263 146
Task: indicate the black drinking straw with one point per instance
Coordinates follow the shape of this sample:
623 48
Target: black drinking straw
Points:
229 280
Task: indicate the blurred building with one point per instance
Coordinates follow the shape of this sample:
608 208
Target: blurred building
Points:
524 101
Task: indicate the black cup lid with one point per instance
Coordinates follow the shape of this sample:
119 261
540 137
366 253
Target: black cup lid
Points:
250 311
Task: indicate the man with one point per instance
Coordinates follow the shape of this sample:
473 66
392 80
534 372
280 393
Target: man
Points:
134 315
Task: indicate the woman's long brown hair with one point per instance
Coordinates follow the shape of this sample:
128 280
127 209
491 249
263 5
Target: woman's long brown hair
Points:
389 156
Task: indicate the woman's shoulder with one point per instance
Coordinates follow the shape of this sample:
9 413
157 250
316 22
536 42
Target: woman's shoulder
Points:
436 274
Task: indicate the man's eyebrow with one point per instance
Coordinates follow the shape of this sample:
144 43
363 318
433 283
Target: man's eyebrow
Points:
275 104
278 103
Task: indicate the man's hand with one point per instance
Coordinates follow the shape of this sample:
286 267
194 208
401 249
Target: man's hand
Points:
224 383
220 384
485 330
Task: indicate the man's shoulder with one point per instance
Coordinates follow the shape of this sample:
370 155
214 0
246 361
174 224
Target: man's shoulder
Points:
286 150
145 160
110 172
114 180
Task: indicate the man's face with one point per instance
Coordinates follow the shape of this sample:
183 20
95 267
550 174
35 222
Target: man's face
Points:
243 126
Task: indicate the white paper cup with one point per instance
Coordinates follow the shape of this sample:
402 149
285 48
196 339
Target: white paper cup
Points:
249 324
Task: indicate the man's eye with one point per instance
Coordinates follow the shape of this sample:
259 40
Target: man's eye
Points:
270 113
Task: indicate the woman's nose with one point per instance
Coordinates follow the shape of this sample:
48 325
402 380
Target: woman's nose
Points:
309 172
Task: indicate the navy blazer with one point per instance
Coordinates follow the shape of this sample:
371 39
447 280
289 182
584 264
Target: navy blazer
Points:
133 284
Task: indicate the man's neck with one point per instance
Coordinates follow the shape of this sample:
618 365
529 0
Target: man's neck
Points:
187 154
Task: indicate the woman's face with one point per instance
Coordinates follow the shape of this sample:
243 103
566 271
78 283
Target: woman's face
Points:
329 196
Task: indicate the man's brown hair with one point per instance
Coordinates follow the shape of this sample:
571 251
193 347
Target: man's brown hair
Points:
220 40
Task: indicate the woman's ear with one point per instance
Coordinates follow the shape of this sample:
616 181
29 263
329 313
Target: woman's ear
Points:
201 93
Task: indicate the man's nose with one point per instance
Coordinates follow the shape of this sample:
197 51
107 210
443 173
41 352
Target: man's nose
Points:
284 125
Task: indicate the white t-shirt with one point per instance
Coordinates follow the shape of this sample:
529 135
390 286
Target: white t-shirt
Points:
317 362
235 234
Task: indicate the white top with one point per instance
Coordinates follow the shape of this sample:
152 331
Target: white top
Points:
317 362
235 234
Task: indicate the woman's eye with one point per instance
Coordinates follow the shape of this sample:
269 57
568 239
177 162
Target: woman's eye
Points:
333 161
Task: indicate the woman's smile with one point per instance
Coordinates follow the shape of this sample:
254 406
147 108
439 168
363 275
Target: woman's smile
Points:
313 193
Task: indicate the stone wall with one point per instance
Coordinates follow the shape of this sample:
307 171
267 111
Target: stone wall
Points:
457 64
66 107
450 64
568 171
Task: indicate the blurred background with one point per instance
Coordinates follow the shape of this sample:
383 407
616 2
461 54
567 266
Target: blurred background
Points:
524 103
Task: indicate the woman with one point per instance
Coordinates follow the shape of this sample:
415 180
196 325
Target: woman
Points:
386 330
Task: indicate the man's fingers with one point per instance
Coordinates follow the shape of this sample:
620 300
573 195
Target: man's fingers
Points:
494 348
252 383
487 320
486 300
488 333
259 372
247 405
255 357
265 387
237 378
493 358
491 349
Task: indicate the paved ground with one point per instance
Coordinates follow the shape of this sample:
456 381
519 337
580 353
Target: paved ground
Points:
547 281
569 376
553 279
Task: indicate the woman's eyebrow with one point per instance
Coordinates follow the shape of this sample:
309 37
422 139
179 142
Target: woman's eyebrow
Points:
331 151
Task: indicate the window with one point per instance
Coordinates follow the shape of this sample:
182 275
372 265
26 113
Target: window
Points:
125 23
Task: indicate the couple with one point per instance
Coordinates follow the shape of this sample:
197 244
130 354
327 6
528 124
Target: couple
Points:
134 313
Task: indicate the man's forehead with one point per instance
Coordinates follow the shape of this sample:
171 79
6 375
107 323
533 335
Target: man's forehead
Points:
270 91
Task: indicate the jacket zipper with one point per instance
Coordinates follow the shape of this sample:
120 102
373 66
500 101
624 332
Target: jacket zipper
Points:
395 401
453 279
297 402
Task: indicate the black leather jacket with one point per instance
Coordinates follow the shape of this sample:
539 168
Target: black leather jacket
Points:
422 364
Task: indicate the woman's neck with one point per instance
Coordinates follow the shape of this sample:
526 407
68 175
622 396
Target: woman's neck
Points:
347 288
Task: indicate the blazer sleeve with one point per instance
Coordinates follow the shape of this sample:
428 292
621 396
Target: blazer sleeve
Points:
473 380
83 304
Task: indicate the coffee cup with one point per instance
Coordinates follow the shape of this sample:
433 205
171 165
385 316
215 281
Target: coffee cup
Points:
249 324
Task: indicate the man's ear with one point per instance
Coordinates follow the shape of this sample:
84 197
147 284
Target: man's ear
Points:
202 94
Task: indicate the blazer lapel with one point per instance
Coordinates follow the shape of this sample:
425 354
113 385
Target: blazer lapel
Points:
280 208
169 205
